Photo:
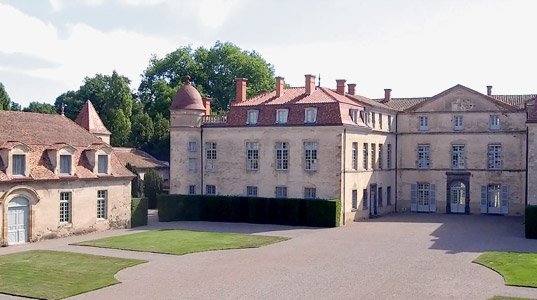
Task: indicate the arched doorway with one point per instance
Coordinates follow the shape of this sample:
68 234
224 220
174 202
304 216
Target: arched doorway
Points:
17 221
457 197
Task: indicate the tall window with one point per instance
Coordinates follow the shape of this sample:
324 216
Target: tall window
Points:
210 155
192 165
252 117
355 156
252 156
389 123
457 156
281 116
373 121
65 207
282 156
101 204
310 193
210 189
192 146
380 197
65 164
310 115
354 115
389 196
423 193
281 192
380 120
310 156
458 123
424 156
251 191
364 199
19 164
389 156
102 167
494 156
423 123
355 199
494 122
380 155
192 189
366 157
493 192
373 155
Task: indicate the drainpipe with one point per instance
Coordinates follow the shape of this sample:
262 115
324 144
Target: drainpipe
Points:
396 160
201 160
344 172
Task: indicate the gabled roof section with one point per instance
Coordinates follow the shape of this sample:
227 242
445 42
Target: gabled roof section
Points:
370 102
138 158
403 104
89 119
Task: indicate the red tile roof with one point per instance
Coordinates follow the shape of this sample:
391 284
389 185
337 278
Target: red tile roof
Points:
90 120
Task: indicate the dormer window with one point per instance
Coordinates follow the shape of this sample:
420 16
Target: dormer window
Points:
102 164
65 164
310 115
252 117
281 116
19 164
354 115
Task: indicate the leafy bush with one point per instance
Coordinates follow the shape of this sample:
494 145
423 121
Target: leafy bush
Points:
136 184
138 212
531 222
152 187
305 212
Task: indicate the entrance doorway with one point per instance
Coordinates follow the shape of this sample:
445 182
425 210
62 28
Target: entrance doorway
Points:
457 198
17 224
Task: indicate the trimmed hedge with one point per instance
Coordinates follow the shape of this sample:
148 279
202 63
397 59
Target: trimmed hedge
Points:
531 222
138 212
287 211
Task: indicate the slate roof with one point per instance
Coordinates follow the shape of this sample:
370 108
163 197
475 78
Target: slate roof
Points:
515 100
139 159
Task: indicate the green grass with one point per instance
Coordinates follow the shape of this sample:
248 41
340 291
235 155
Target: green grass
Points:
181 242
507 298
517 268
55 275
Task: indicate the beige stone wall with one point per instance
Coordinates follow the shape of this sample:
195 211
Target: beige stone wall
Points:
44 207
532 163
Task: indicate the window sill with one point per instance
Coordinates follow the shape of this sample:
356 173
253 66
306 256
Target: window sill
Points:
66 224
101 219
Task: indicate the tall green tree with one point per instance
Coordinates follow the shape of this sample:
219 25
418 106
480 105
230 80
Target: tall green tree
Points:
141 130
152 187
4 98
44 108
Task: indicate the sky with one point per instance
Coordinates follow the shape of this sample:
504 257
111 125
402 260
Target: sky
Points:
415 47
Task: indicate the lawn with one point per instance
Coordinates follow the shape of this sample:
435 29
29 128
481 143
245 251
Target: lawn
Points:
56 275
517 268
181 242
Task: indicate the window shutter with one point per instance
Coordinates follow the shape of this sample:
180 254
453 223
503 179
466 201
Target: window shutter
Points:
483 199
432 198
413 197
504 199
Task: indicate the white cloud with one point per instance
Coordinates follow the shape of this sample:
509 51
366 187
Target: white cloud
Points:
141 2
55 4
214 13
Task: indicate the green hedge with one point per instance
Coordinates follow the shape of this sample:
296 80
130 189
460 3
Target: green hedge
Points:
301 212
531 222
138 212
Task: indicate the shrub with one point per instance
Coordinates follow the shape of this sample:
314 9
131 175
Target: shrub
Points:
138 212
531 222
152 187
136 184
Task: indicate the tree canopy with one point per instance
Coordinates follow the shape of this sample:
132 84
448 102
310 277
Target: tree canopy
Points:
4 98
38 107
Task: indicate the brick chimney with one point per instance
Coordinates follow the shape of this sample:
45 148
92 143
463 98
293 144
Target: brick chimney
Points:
489 90
352 88
310 84
340 86
240 89
279 86
387 95
207 104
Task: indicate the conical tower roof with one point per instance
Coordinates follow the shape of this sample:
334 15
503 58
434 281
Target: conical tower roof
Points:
90 120
187 97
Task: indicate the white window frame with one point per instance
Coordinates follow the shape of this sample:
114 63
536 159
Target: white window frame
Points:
424 156
365 157
192 147
251 191
310 193
354 197
280 192
65 211
210 189
282 115
354 163
423 123
494 196
373 121
102 204
252 156
423 194
381 156
494 156
389 156
390 123
494 122
457 156
192 189
310 156
380 121
282 156
102 163
310 115
252 117
19 171
373 156
69 165
458 123
210 155
354 115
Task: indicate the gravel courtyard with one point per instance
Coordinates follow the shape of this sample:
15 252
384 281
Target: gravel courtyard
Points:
400 256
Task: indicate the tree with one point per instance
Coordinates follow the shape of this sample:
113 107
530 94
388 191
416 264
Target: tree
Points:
72 102
141 130
152 187
38 107
15 106
136 184
4 98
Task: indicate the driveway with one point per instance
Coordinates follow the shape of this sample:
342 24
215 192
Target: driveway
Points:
400 256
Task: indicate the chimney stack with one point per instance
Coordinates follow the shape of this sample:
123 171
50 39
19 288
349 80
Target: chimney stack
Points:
310 84
207 104
352 88
489 90
279 86
240 89
387 95
340 86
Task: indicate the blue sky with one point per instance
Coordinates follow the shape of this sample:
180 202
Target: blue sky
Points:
416 47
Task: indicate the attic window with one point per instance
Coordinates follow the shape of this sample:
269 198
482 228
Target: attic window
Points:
354 115
281 116
252 117
19 164
65 164
102 167
310 115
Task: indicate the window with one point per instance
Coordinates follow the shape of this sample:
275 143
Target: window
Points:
282 156
389 196
281 192
65 207
281 116
210 189
192 190
493 193
192 146
457 156
251 191
310 115
355 199
366 157
252 117
373 155
389 123
423 157
380 196
494 122
65 164
355 156
373 122
364 199
380 155
365 116
354 115
210 154
380 121
494 156
192 165
423 194
310 193
102 167
19 164
252 156
423 123
101 204
458 123
389 156
310 156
